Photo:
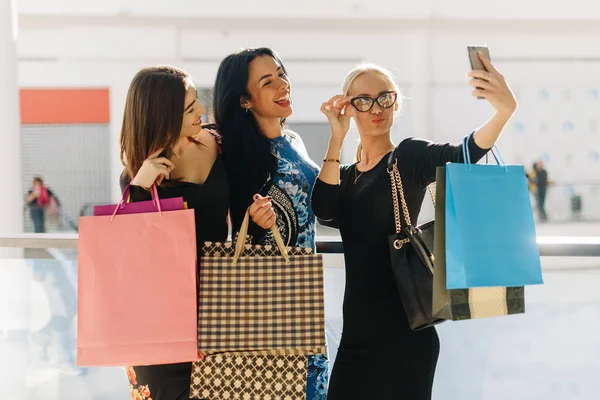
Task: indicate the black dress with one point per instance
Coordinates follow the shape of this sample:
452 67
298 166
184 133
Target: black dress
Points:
379 357
210 202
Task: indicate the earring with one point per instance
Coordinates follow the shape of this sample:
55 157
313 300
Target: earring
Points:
247 110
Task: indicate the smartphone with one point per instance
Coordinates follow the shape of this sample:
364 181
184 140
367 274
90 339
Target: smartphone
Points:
476 63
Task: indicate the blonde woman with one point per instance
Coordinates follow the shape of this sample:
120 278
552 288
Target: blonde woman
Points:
379 356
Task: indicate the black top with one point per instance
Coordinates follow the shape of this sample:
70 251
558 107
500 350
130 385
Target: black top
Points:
363 212
541 180
210 202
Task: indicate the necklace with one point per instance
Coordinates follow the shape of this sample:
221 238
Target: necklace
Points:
357 175
375 160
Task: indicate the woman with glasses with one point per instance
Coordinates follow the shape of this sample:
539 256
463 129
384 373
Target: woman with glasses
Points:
379 356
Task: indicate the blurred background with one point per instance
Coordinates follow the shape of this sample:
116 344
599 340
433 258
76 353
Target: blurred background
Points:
65 69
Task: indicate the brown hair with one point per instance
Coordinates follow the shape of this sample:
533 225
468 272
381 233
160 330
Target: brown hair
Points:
153 115
38 179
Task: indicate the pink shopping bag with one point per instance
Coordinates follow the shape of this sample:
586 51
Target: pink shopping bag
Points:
137 286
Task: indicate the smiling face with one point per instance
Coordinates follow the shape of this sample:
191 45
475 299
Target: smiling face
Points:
269 89
192 114
378 120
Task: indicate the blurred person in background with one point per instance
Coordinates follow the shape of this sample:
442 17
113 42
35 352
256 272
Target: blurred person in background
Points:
56 333
538 183
541 188
42 203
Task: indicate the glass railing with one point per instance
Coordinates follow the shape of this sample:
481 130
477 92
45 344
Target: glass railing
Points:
552 352
38 324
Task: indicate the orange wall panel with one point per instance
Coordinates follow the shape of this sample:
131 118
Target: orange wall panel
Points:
64 106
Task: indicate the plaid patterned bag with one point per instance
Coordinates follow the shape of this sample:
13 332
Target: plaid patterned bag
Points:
256 377
460 304
260 298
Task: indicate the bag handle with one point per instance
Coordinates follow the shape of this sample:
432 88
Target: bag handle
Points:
241 240
125 200
494 150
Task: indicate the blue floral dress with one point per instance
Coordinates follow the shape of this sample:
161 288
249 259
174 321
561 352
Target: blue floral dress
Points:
291 189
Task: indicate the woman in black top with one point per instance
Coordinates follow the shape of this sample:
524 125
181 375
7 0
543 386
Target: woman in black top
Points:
163 142
379 357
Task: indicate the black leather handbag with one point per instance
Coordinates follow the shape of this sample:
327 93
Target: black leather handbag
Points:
411 250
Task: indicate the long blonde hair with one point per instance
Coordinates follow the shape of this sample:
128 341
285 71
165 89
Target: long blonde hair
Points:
358 71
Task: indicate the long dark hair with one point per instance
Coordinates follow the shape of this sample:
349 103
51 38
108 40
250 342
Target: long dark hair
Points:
246 151
153 115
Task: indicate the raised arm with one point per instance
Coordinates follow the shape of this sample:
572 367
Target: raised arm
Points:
427 156
327 188
492 86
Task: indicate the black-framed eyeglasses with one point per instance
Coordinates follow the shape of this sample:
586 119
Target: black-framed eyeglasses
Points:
365 103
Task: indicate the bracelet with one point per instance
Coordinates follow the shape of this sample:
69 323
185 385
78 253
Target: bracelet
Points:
331 160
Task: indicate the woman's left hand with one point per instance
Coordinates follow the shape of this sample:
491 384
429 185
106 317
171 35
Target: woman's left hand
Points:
491 86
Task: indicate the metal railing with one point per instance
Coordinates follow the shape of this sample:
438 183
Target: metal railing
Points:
550 246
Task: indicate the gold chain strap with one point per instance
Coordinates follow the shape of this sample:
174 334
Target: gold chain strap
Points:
397 188
401 191
398 243
432 192
395 201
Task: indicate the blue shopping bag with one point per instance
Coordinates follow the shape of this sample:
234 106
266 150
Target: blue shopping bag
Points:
490 230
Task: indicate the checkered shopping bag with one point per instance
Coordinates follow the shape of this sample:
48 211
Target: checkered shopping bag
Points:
260 298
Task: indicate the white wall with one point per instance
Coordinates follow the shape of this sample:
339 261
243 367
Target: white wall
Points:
540 10
66 43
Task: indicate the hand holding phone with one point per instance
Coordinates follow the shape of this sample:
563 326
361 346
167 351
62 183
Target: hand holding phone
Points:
474 59
493 85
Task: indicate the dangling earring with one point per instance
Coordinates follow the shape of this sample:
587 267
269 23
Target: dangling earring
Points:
247 110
